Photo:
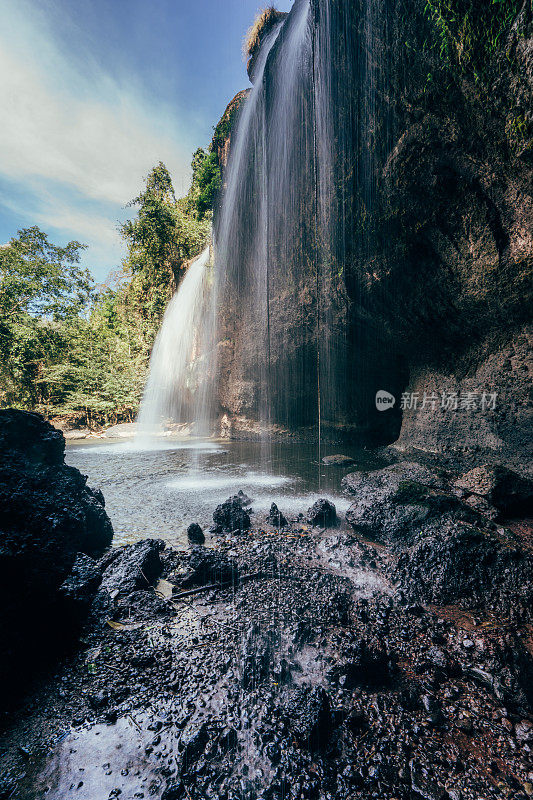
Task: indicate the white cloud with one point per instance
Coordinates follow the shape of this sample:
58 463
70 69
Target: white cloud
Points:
85 133
102 147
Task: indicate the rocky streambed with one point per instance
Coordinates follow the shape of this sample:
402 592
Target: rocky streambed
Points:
298 657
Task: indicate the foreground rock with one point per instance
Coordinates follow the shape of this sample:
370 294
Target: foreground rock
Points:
133 567
323 514
450 549
52 525
231 515
298 678
195 533
338 460
502 488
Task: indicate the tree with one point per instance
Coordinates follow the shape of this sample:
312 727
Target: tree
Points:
41 284
64 347
162 237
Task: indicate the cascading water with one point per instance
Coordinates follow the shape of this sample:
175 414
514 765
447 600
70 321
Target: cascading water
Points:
279 339
296 218
176 363
258 227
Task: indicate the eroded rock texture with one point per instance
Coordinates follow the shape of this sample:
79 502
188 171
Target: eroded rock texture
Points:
52 525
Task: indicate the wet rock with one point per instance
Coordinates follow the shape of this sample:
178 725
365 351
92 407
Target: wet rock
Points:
78 590
338 460
309 716
195 533
510 493
380 483
524 731
48 515
423 786
143 605
322 514
393 503
209 566
193 740
174 791
134 567
231 516
257 655
361 665
28 436
453 561
98 700
243 497
275 517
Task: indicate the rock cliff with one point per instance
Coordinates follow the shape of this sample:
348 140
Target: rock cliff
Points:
424 212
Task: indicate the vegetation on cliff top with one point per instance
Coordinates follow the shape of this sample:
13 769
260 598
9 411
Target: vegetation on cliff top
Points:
264 21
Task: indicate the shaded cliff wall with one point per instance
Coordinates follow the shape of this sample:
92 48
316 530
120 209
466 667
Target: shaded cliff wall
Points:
408 250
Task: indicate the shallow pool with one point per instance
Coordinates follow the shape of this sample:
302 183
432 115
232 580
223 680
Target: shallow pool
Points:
159 490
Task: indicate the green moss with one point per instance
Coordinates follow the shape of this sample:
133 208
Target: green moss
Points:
466 34
264 21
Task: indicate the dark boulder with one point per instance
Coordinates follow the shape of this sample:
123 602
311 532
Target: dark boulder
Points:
143 605
134 567
452 561
209 566
502 488
309 716
275 517
195 533
193 742
243 497
361 665
322 514
231 516
379 483
48 515
76 593
393 503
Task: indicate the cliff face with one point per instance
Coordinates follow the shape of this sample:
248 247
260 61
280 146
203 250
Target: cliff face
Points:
410 237
454 279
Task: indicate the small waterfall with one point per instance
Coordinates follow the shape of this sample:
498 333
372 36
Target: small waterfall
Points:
172 391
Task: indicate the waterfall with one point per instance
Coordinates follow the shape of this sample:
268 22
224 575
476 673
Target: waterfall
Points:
278 344
257 228
176 363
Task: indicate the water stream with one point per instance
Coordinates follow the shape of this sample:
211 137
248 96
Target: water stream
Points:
176 363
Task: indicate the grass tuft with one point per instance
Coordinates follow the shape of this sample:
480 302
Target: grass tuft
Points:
265 19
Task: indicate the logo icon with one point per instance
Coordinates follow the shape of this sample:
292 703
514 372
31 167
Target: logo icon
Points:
384 400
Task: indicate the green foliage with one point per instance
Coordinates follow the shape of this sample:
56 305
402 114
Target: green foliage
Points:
164 234
65 348
206 184
39 278
467 33
209 181
42 287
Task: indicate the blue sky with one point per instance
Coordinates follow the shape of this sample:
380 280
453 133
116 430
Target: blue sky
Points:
94 92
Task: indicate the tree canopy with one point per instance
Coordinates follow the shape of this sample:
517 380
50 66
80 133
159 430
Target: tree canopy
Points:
69 348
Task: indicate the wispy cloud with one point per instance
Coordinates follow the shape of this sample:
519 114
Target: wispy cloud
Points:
84 133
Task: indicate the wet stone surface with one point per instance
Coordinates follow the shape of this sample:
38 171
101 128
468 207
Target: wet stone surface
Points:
284 663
